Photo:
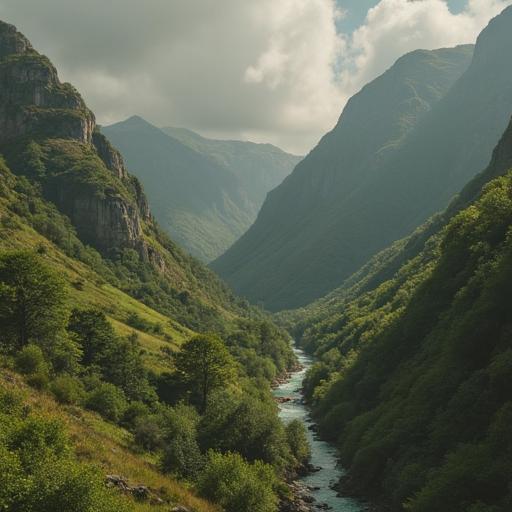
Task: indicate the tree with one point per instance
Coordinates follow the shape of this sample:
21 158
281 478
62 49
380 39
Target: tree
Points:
94 332
205 364
118 360
298 441
32 299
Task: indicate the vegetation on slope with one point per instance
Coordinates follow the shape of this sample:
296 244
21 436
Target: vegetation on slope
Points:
99 309
204 193
412 378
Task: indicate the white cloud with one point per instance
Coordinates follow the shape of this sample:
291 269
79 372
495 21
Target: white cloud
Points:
268 70
395 27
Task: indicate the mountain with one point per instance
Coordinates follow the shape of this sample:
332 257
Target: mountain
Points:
205 193
48 136
402 147
413 378
130 374
259 167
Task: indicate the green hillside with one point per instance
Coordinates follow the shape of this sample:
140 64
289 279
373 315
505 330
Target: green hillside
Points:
402 148
204 193
124 361
413 371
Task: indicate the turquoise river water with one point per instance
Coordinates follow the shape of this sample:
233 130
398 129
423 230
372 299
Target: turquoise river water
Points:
323 455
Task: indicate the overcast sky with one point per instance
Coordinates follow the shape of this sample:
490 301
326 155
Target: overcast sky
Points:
275 71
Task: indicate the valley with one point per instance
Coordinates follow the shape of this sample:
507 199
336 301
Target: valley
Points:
194 323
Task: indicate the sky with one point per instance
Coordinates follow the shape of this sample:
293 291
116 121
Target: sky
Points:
277 71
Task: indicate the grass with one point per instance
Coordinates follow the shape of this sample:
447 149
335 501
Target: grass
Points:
89 289
109 447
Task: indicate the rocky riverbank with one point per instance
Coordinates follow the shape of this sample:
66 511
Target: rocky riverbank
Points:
310 490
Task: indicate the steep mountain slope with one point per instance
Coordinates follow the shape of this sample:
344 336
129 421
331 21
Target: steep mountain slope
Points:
414 371
48 136
380 173
205 193
259 167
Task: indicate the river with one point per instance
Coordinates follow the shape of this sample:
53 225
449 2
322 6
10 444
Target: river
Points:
323 454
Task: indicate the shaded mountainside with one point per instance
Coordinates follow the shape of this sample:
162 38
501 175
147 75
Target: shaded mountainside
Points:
413 378
205 193
259 167
402 148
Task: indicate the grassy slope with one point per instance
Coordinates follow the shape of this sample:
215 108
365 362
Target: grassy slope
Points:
108 447
94 291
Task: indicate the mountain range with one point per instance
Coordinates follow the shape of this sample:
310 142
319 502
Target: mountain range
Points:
402 148
205 193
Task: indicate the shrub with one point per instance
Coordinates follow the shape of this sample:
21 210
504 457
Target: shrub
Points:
108 400
31 360
68 390
133 414
38 380
237 485
182 455
148 434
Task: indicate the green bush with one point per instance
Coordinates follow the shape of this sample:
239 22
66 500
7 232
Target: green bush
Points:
148 434
38 471
31 360
181 455
134 413
237 485
38 380
108 400
68 390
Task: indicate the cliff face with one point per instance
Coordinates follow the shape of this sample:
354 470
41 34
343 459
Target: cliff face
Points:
83 174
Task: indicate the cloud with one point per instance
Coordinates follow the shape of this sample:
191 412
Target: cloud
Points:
276 71
395 27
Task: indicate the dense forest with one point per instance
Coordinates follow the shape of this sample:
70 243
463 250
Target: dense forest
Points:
412 378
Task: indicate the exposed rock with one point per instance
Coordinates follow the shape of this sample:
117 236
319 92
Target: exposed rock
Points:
110 156
12 42
180 508
139 492
105 222
283 399
301 499
32 97
34 102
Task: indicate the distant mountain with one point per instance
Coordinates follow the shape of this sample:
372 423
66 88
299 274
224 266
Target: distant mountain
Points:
205 193
402 147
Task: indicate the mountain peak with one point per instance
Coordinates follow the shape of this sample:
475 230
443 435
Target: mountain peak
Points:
495 41
12 42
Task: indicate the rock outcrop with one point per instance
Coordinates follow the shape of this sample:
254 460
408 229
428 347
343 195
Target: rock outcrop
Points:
32 99
108 213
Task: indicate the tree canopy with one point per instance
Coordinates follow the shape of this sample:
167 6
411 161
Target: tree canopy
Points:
205 364
32 299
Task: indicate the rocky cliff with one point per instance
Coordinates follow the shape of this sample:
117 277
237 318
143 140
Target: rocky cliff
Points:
48 132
